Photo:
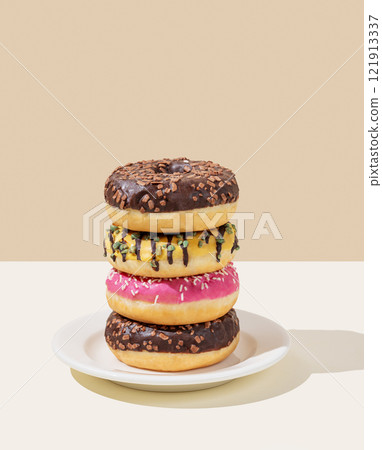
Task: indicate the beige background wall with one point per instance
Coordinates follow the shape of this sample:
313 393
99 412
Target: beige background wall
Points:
210 80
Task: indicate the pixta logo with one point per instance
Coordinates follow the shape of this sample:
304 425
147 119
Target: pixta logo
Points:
97 220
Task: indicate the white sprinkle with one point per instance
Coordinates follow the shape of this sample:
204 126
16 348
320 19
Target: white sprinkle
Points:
180 288
181 297
156 298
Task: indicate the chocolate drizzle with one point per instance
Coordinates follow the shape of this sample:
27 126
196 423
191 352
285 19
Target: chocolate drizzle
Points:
111 239
138 242
235 244
154 262
118 246
185 254
125 232
125 334
219 242
169 252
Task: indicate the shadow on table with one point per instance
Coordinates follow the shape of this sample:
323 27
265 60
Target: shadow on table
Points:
312 351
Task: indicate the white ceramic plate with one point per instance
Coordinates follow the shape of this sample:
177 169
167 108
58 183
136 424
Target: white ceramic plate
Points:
81 345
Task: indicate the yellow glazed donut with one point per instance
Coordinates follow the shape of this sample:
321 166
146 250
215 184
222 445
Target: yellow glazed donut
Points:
169 256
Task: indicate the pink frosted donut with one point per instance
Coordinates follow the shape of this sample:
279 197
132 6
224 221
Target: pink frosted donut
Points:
173 301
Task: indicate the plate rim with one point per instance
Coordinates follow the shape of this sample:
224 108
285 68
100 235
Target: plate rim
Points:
184 378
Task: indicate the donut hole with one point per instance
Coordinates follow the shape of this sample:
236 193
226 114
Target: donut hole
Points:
179 166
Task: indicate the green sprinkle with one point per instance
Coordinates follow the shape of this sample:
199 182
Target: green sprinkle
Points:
123 246
238 247
185 244
228 228
116 245
180 242
133 248
221 241
179 236
170 248
156 239
233 226
123 252
200 244
113 228
135 236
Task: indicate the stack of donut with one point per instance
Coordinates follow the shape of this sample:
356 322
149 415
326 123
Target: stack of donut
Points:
172 286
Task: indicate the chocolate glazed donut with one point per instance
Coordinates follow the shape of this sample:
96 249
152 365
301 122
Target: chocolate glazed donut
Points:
172 348
166 189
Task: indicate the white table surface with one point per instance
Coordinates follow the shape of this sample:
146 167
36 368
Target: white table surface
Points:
310 400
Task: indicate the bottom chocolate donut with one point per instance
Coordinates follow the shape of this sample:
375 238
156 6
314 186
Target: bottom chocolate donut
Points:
172 348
